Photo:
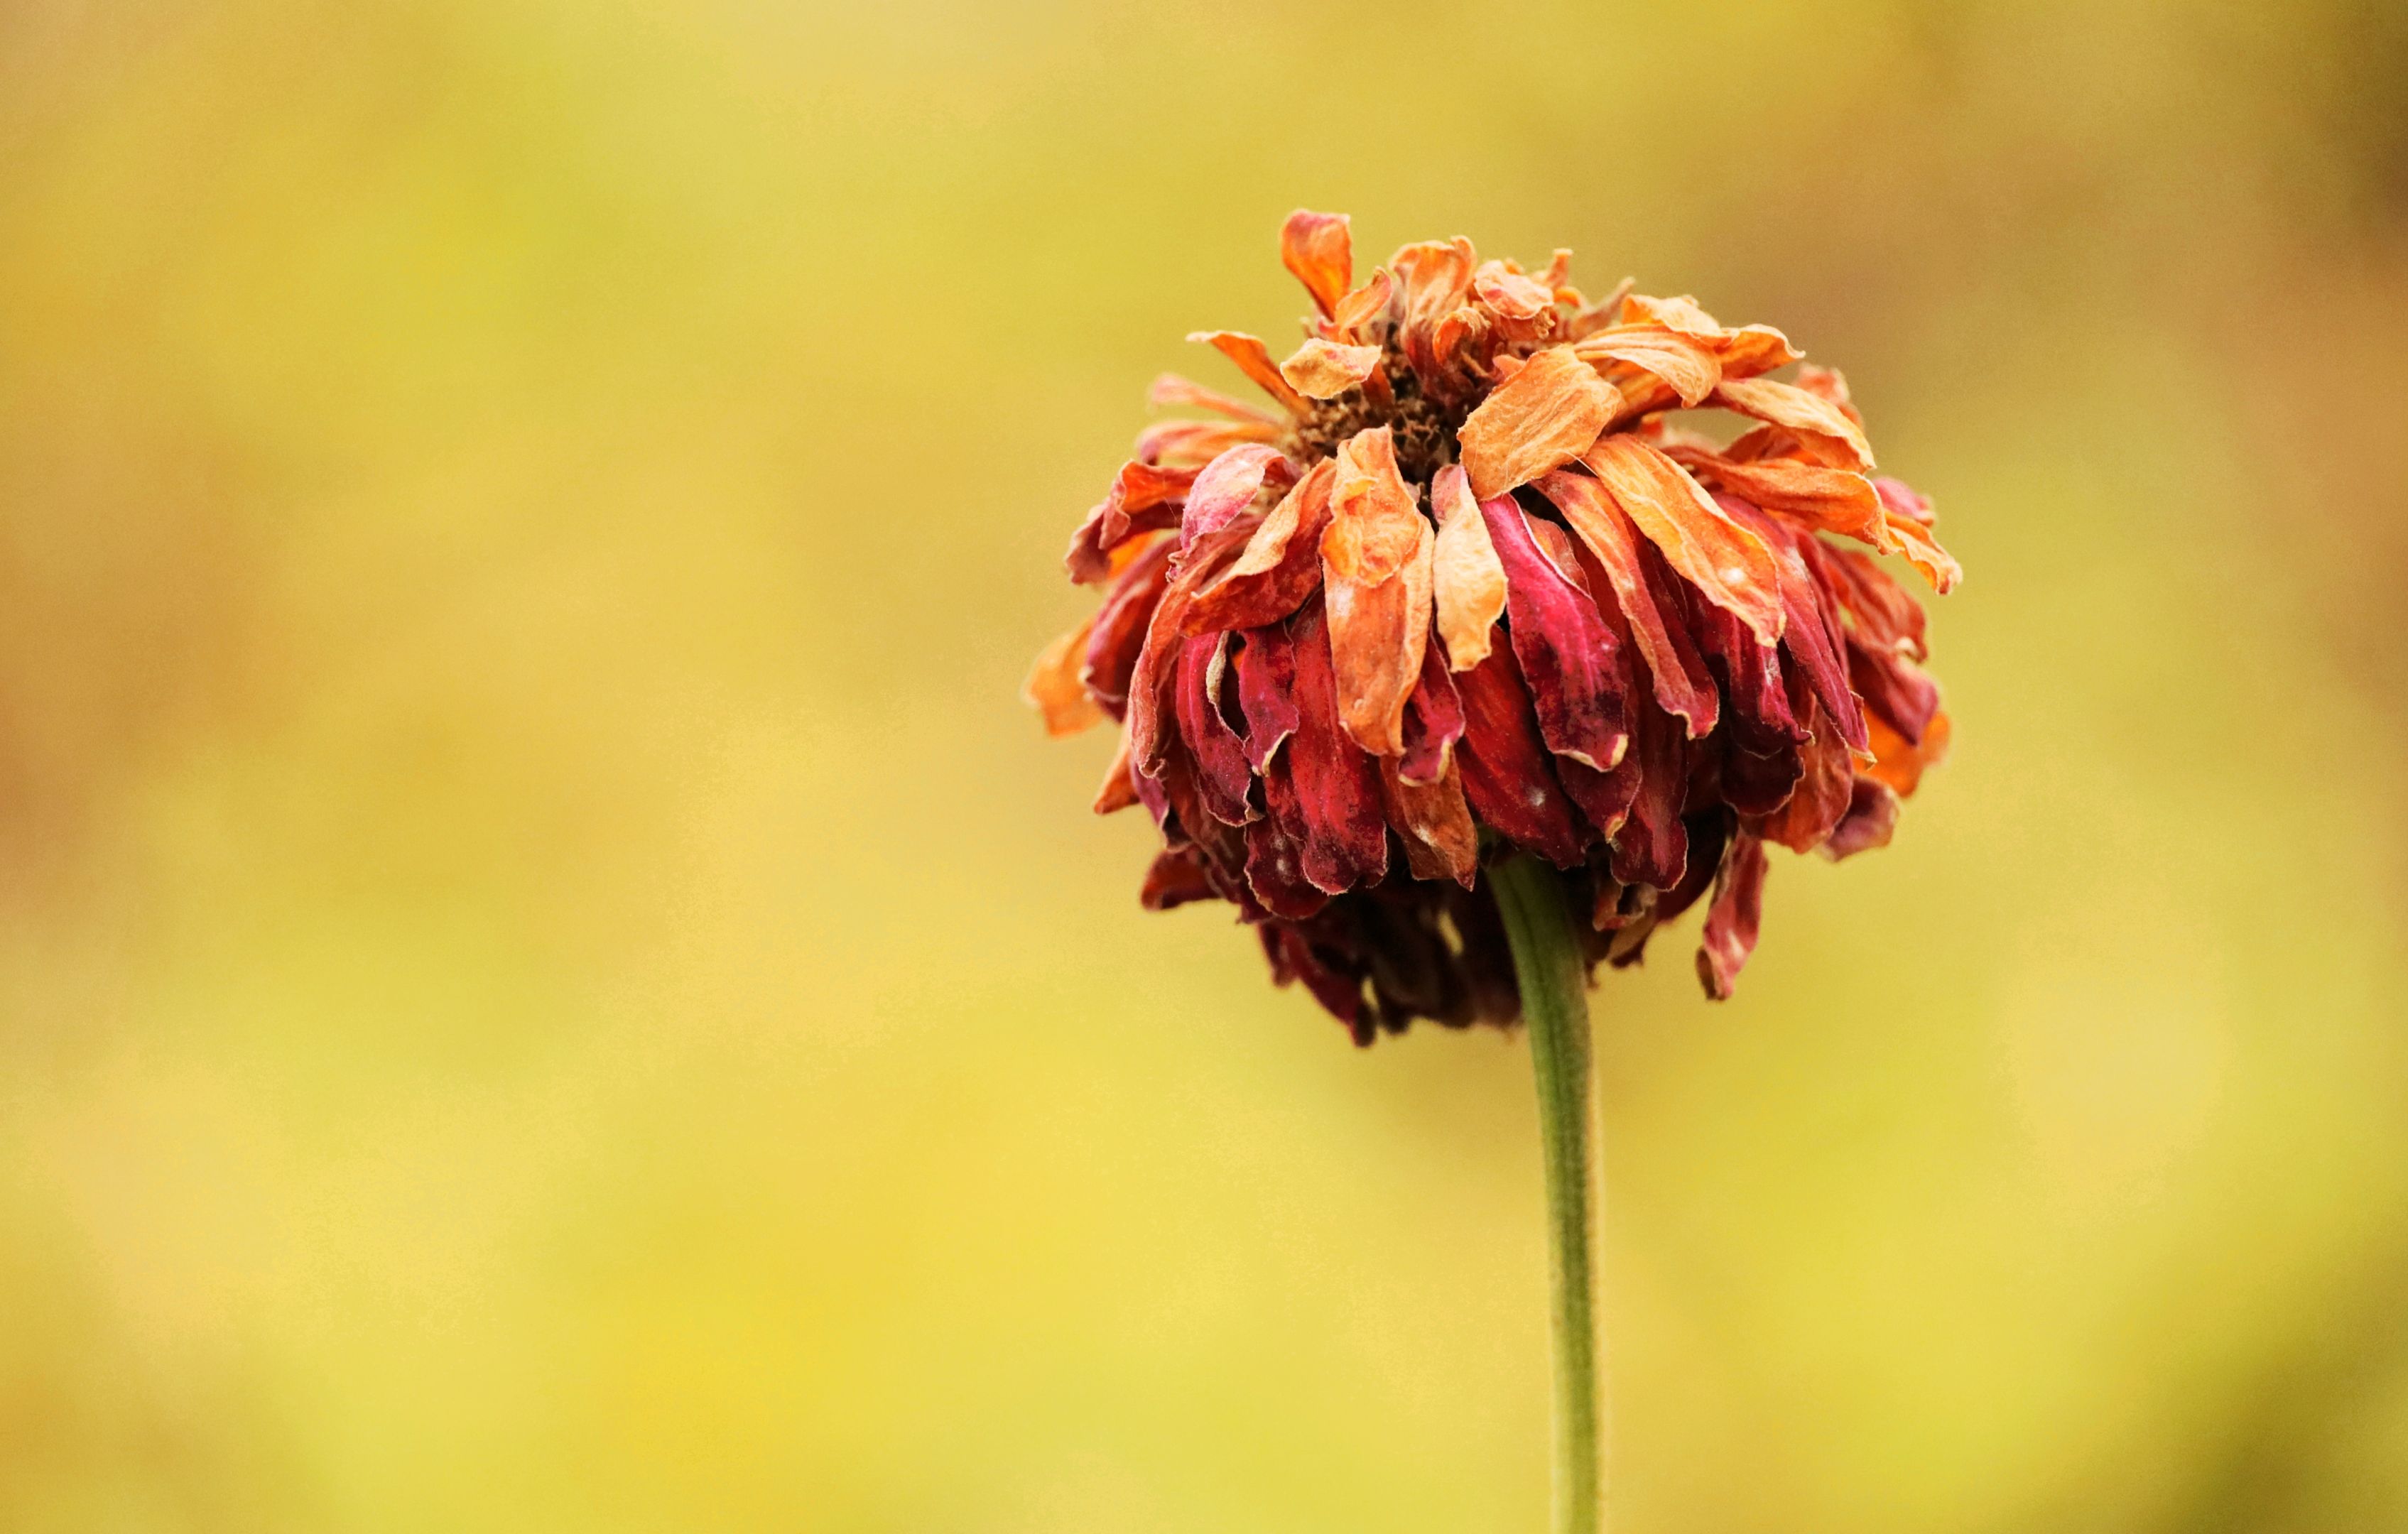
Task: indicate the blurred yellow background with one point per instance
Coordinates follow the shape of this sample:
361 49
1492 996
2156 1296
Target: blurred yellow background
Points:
547 982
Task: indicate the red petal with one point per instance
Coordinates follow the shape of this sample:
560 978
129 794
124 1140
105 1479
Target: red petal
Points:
1894 688
1653 846
1223 774
1507 775
1567 654
1319 247
1120 627
1281 565
1812 635
1433 723
1345 835
1682 684
1143 498
1228 485
1732 921
1178 876
1267 691
1871 817
1821 798
1885 616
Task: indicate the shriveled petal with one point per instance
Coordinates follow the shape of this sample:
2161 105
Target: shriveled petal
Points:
1120 627
1653 846
1792 408
1510 294
1685 364
1468 580
1325 370
1883 615
1319 247
1177 877
1682 684
1359 308
1375 566
1152 698
1144 498
1222 773
1118 791
1433 722
1053 688
1813 636
1279 568
1820 801
1344 831
1254 359
1173 391
1898 763
1909 517
1267 691
1567 654
1541 417
1191 444
1871 820
1894 688
1228 485
1435 276
1507 775
1739 353
1830 500
1434 823
1275 860
1732 919
1725 561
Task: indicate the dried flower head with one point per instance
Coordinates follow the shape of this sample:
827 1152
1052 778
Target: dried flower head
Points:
1469 588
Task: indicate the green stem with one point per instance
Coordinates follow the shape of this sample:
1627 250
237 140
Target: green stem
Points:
1555 1003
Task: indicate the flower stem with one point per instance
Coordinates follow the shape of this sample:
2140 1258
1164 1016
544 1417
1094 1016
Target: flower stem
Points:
1554 1002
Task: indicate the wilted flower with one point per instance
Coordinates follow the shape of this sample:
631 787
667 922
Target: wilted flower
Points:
1469 588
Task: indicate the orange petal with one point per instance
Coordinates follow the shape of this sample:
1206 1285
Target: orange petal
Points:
1319 247
1541 417
1434 822
1436 277
1740 354
1682 685
1254 359
1686 364
1909 518
1468 579
1176 392
1279 568
1898 762
1361 306
1323 369
1786 404
1192 444
1118 790
1830 500
1053 688
1509 294
1727 562
1375 569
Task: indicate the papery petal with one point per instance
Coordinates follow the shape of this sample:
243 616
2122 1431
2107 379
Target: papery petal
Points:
1732 921
1830 500
1433 822
1192 444
1435 276
1330 976
1883 615
1738 353
1725 561
1894 688
1267 691
1909 516
1344 831
1466 576
1151 700
1319 247
1510 294
1821 797
1375 566
1325 370
1228 485
1118 632
1871 820
1176 878
1567 655
1811 635
1359 308
1173 391
1507 775
1280 566
1685 366
1223 774
1653 846
1682 684
1792 408
1144 497
1433 722
1254 359
1900 763
1541 417
1118 791
1053 688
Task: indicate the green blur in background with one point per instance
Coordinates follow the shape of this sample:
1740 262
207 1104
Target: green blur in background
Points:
547 982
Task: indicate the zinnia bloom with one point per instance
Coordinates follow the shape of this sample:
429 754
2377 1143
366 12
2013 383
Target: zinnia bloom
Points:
1468 586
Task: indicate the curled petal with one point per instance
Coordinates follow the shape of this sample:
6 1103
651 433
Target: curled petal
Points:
1510 294
1178 393
1732 919
1895 689
1820 799
1118 791
1725 561
1468 580
1435 277
1871 820
1682 684
1375 563
1228 485
1325 370
1144 498
1319 247
1254 359
1152 695
1281 565
1267 692
1898 763
1569 656
1223 774
1653 846
1507 775
1053 688
1192 444
1541 417
1178 876
1739 353
1433 822
1433 722
1829 500
1357 309
1118 632
1909 518
1789 407
1883 615
1685 366
1336 787
1812 635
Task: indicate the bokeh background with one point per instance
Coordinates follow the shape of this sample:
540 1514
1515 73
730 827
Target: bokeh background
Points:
547 983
